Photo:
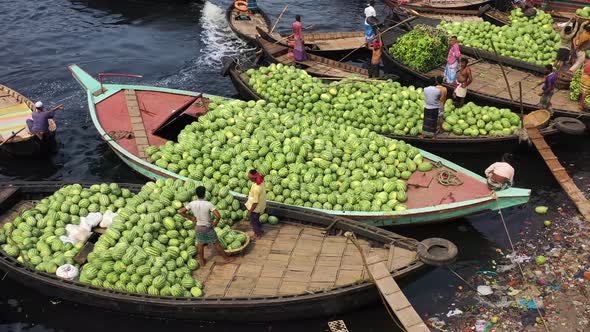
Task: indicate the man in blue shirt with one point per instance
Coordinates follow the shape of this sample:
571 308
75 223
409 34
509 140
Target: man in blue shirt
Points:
39 124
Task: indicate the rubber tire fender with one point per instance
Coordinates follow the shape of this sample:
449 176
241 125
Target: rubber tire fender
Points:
241 5
570 126
438 258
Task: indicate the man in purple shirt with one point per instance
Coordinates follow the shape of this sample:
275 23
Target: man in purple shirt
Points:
548 87
39 124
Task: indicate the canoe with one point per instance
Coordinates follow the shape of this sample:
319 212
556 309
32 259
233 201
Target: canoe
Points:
302 268
489 86
113 109
428 5
246 29
15 109
315 65
443 143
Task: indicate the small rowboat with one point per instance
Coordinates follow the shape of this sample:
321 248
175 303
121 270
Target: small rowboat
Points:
303 267
315 65
489 86
244 24
428 5
15 138
445 142
151 113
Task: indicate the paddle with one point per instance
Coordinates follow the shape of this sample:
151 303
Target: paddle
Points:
291 35
503 72
379 35
12 136
278 19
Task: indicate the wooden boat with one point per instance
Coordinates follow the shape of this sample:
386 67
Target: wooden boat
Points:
113 108
315 65
445 142
15 109
563 8
429 5
489 86
246 29
302 268
496 17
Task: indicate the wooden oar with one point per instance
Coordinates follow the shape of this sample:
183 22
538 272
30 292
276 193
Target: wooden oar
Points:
379 35
12 136
291 35
503 72
278 19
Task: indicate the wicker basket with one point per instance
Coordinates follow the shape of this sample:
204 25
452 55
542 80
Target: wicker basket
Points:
233 252
536 119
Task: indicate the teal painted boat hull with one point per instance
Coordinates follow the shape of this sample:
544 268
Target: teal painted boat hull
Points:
423 215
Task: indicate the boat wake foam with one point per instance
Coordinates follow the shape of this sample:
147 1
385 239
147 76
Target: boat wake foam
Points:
217 38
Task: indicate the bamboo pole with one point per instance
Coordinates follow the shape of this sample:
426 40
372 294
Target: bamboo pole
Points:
278 19
503 72
12 136
520 95
291 35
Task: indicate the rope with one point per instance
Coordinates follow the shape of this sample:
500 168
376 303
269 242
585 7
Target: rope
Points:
120 134
524 280
445 176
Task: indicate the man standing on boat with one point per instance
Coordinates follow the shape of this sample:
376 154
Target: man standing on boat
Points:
452 61
548 87
464 78
253 7
375 58
441 100
500 175
581 45
432 97
567 33
299 47
370 19
256 203
201 210
39 124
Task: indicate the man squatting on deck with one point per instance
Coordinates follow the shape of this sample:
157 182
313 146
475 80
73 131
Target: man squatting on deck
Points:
500 175
201 210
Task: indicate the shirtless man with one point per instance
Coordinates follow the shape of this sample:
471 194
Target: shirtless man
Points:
464 78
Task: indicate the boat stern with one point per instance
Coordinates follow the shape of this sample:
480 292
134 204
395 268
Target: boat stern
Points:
89 83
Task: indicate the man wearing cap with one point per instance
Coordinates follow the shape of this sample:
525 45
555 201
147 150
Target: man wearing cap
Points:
375 58
39 124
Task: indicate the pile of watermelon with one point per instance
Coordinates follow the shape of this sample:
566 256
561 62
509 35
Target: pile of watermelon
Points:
33 237
307 160
149 248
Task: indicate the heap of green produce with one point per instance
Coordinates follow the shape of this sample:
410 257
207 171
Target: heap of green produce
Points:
528 39
149 248
230 239
34 237
473 120
385 107
584 12
423 49
575 88
306 160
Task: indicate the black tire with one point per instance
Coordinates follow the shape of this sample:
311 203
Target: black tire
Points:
445 252
571 126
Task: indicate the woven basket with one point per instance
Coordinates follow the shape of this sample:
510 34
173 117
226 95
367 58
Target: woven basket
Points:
233 252
536 119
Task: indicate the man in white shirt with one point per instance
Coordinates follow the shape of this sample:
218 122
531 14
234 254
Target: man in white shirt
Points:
500 175
201 210
370 10
369 30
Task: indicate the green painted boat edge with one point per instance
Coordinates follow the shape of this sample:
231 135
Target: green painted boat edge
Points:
506 198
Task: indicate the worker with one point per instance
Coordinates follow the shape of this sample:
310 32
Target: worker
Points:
432 97
581 45
39 124
201 210
253 7
256 203
299 48
548 87
500 175
376 52
584 84
464 78
442 99
566 32
452 61
370 21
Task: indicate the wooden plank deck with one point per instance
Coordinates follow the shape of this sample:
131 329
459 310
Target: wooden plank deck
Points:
394 297
289 260
560 173
139 132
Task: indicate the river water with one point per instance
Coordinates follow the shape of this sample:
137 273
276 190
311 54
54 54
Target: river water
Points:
180 46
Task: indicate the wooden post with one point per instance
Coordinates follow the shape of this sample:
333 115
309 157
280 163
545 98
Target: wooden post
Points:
520 95
502 68
278 19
